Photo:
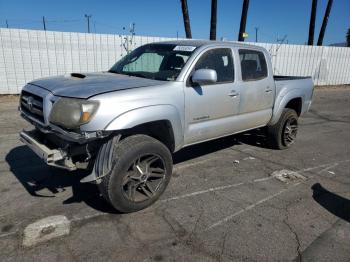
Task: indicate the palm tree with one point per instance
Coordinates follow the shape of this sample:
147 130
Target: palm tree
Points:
324 22
243 20
312 23
213 20
186 18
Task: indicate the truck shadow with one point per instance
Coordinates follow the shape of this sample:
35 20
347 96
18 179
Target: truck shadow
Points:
255 137
40 180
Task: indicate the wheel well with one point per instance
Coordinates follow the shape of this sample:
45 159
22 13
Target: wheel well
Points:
295 104
160 130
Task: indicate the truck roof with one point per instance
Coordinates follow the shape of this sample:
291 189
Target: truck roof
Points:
198 43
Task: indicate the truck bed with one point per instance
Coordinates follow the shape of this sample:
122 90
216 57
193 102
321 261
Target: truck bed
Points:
299 86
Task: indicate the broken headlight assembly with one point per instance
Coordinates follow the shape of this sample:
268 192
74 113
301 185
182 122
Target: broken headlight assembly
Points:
72 113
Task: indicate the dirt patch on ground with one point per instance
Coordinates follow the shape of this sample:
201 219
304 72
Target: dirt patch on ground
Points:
333 88
9 98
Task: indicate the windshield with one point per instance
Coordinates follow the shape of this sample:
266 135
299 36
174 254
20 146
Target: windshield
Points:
154 61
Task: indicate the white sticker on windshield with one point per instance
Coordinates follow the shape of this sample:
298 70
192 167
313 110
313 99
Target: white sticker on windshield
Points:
184 48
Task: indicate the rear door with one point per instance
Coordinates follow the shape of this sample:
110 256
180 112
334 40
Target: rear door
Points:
210 109
257 88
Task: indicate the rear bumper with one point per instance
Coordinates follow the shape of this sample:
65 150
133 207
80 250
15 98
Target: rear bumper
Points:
52 157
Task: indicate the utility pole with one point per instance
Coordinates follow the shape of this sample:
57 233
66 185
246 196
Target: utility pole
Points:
7 24
282 40
44 23
256 34
324 23
312 23
243 20
213 19
88 21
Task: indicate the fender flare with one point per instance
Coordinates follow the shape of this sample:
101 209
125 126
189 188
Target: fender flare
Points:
148 114
282 100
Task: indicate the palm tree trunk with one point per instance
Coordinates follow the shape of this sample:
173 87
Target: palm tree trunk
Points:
213 20
186 18
312 23
324 23
243 20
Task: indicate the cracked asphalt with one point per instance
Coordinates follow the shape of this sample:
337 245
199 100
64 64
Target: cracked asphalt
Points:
222 204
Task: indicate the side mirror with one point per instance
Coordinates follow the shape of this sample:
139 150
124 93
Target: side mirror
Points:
204 76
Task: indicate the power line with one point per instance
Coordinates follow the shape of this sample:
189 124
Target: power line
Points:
64 20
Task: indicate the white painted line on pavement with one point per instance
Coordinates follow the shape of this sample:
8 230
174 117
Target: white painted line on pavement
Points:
77 219
179 166
222 221
9 234
213 189
325 167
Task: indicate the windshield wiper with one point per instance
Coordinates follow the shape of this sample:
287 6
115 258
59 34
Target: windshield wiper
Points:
135 74
115 72
127 73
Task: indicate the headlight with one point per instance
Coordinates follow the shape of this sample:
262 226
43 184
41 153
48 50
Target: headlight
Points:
72 113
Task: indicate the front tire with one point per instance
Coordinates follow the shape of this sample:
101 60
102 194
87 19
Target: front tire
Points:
283 134
139 175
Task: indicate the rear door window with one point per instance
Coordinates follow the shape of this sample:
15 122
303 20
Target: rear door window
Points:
253 65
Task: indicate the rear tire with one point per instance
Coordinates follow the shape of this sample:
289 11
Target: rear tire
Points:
139 175
283 134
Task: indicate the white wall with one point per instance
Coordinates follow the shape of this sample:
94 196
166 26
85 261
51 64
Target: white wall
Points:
30 54
327 65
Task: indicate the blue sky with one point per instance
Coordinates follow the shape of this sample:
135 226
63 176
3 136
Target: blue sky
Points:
163 17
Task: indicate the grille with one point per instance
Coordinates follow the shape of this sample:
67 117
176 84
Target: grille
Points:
32 105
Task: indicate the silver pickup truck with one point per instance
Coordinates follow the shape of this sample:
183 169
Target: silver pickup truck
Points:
124 124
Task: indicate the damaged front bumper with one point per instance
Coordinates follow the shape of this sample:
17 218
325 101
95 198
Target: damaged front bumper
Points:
52 157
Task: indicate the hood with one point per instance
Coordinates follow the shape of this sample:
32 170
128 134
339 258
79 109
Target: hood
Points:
88 85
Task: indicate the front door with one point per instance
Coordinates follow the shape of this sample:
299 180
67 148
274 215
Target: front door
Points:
210 109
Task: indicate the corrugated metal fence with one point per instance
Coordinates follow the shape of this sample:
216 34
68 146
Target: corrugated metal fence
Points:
30 54
328 65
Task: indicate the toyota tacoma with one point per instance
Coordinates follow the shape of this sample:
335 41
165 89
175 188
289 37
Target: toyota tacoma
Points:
124 124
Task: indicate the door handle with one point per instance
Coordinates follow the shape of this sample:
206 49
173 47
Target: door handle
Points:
233 93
